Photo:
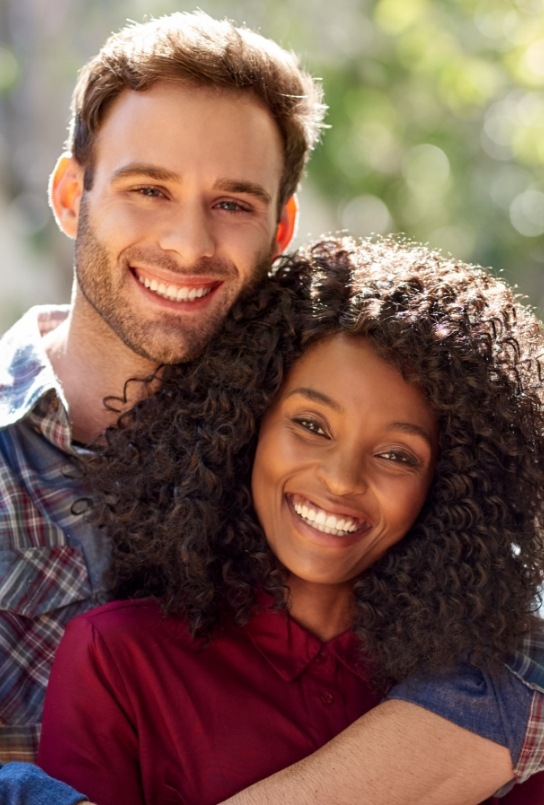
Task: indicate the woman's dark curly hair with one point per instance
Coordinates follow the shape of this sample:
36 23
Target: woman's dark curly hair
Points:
172 481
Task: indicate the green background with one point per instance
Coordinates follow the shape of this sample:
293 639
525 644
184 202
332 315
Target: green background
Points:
436 124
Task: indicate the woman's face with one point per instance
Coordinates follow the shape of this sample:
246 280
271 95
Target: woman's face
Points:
344 461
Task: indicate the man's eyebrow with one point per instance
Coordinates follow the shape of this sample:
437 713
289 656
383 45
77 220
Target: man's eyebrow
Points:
316 396
164 175
243 186
143 169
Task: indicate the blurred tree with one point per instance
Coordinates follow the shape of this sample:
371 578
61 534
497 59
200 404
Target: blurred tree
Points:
436 124
438 130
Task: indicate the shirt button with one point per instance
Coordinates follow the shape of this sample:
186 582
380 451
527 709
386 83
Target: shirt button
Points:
320 658
327 698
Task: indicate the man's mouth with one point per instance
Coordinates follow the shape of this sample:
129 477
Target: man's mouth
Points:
327 522
175 293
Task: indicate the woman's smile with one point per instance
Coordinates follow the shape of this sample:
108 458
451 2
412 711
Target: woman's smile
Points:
324 521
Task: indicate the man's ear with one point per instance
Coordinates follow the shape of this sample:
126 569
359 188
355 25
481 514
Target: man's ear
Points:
65 191
287 225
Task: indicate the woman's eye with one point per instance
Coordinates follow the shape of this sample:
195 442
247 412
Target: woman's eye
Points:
310 425
399 457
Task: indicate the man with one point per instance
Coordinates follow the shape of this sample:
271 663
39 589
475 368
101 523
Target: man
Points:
187 142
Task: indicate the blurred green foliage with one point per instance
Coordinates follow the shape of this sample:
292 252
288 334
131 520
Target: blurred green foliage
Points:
437 130
436 119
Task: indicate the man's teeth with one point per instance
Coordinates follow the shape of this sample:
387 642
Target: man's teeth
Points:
173 292
328 523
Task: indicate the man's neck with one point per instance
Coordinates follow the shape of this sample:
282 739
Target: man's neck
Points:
91 369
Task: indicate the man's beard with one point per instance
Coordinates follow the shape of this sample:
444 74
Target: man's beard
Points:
165 340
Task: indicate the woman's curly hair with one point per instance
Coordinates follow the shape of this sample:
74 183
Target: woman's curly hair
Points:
172 482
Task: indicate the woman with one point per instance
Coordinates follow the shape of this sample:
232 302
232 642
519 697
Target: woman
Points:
392 546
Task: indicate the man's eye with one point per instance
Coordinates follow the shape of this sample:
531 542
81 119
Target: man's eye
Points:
149 192
232 206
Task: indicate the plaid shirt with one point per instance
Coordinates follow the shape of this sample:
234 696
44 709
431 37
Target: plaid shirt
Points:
528 666
51 560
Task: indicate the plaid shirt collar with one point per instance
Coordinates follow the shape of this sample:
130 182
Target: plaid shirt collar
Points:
28 384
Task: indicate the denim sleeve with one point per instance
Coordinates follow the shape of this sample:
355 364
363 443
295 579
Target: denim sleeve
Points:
495 706
26 784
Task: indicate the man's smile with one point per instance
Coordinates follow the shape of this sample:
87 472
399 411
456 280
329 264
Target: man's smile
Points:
176 293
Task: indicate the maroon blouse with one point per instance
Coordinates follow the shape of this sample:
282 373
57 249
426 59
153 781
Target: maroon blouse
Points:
137 711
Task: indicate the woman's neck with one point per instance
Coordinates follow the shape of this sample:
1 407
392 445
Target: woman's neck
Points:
325 610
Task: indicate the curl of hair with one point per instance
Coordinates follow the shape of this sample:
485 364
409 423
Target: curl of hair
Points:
171 483
464 581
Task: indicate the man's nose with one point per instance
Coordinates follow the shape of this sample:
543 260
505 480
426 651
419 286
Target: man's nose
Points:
188 233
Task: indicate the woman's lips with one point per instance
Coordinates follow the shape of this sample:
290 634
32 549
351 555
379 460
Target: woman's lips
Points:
340 525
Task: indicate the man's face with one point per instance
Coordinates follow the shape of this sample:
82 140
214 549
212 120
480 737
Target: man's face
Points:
181 216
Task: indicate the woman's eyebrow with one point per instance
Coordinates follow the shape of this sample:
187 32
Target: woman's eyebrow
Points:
316 396
412 428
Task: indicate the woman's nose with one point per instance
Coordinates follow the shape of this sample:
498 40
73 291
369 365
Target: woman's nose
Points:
343 474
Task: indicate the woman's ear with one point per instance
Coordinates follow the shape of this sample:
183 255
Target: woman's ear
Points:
287 225
65 190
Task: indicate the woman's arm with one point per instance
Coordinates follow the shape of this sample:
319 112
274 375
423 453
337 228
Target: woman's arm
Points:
397 754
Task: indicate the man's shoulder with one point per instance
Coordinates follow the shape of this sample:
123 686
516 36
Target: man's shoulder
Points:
528 663
25 371
32 325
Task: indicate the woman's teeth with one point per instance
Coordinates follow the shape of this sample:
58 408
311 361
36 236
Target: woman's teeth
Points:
323 521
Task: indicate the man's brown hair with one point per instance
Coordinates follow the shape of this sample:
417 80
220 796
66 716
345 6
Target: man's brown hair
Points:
196 49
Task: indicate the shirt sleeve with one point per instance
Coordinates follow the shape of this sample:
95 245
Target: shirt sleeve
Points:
89 738
26 784
496 706
528 666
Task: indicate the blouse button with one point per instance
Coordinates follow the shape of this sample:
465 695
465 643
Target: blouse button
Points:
327 698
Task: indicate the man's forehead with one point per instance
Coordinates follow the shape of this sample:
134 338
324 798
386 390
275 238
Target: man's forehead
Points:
183 130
